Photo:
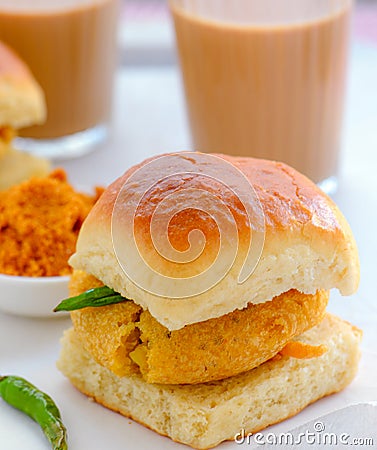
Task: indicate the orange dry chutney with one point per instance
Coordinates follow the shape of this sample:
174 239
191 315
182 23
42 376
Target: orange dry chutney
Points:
39 223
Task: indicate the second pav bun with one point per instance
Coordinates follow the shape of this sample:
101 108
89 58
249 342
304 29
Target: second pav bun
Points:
22 101
308 243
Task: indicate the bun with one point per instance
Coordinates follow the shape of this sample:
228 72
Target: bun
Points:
204 415
21 98
16 167
308 243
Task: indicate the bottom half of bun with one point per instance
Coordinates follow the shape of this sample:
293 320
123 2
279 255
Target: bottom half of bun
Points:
203 415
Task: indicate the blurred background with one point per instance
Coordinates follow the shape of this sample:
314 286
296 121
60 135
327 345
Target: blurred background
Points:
146 34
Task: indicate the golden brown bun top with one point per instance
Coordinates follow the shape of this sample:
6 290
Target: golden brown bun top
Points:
308 244
21 98
289 198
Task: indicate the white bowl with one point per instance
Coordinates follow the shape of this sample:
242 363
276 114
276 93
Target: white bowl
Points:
32 296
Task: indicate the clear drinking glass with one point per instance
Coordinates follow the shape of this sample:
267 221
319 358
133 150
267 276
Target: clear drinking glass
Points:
70 47
266 78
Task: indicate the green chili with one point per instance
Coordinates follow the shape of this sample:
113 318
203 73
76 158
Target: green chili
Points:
100 296
22 395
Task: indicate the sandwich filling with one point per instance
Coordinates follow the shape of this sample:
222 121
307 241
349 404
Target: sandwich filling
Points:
127 340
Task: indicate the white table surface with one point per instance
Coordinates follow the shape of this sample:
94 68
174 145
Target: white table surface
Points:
149 119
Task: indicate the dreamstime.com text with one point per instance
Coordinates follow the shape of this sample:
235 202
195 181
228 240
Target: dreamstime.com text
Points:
318 436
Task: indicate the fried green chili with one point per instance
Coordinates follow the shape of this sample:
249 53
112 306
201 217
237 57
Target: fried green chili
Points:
100 296
24 396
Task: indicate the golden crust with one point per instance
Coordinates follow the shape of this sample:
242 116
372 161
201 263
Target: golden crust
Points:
109 333
308 244
211 350
289 199
21 98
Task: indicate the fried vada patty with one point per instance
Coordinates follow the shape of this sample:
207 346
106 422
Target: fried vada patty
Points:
126 340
